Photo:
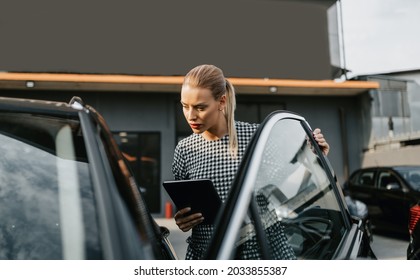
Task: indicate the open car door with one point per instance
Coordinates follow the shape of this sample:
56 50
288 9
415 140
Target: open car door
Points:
285 202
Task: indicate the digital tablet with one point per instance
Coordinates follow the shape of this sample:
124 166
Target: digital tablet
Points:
199 194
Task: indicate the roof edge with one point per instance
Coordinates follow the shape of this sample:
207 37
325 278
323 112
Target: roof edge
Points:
112 82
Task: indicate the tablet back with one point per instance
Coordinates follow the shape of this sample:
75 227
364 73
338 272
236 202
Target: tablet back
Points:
199 194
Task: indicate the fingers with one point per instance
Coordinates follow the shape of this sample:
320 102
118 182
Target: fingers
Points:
319 138
185 222
181 212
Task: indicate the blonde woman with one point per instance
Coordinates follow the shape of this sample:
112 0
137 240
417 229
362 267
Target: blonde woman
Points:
215 148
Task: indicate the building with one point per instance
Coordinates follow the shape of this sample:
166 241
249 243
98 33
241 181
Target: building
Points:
394 121
129 64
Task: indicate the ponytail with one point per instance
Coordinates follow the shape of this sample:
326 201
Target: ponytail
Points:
230 118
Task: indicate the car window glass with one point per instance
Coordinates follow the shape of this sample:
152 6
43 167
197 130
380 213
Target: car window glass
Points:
47 208
366 179
297 208
412 175
414 180
388 181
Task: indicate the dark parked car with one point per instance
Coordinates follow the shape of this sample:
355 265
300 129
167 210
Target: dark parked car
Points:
66 191
388 191
286 201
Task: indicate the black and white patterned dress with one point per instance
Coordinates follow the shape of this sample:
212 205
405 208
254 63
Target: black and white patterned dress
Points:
198 158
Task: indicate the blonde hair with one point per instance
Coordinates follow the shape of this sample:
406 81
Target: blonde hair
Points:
212 78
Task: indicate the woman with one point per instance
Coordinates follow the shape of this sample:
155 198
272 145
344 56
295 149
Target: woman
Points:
215 148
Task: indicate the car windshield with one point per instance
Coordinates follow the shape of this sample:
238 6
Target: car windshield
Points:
411 174
46 209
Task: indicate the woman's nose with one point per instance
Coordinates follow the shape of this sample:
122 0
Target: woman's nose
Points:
191 115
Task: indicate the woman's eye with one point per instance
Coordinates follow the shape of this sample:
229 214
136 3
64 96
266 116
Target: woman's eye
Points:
201 108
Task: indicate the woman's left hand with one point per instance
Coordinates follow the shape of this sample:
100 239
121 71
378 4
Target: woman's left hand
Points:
323 144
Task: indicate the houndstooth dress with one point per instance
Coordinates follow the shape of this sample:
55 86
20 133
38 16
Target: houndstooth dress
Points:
198 158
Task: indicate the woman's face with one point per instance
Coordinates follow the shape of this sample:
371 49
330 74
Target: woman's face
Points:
202 112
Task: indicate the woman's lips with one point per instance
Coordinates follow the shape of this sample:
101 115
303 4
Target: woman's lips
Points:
195 125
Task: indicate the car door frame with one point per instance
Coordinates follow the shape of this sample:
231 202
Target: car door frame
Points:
227 228
119 237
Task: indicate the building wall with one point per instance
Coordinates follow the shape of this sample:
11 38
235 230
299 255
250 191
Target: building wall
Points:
393 155
413 75
392 122
413 90
246 38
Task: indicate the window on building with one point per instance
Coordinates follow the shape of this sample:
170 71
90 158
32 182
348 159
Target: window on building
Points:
256 112
142 151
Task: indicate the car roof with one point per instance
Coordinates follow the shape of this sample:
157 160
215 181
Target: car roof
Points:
405 167
53 108
388 167
391 167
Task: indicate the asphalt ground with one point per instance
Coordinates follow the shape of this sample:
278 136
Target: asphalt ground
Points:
385 246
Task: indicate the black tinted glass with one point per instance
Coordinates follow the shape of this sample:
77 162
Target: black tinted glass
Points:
46 208
412 175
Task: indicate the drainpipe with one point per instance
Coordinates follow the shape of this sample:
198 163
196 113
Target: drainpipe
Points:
343 134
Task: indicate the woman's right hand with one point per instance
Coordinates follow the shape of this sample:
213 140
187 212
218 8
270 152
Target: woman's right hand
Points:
186 222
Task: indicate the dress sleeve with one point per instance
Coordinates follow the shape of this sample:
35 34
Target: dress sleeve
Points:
178 165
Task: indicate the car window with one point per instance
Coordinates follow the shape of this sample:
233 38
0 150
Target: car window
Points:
411 174
414 180
365 178
295 203
46 209
388 181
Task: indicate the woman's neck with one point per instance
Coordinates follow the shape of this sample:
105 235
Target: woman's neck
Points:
216 132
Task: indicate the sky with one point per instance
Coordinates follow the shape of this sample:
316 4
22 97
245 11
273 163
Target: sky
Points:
381 35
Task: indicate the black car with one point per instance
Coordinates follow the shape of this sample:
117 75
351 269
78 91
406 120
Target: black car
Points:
66 191
286 201
389 192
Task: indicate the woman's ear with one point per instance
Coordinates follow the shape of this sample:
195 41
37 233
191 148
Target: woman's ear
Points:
222 102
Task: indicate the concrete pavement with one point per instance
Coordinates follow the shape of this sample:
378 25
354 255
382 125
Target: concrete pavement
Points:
388 248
